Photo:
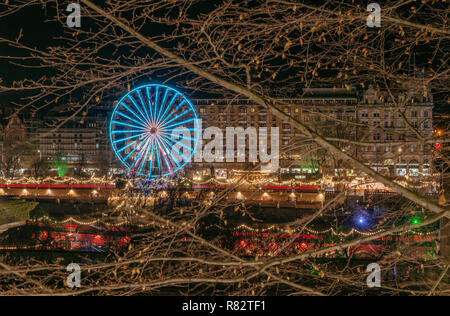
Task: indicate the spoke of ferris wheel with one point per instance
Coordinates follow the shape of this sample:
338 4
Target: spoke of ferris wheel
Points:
167 108
139 155
179 123
135 148
125 158
146 155
173 112
165 156
126 124
157 156
162 104
150 105
143 105
131 119
136 106
126 138
137 116
165 140
151 158
176 117
166 134
156 101
125 147
169 152
176 142
127 131
192 129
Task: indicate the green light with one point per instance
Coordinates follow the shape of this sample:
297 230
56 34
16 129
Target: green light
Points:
60 164
415 221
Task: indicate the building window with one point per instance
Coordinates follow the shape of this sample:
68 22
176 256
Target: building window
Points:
413 168
401 169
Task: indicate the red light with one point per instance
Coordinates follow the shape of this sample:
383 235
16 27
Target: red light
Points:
438 146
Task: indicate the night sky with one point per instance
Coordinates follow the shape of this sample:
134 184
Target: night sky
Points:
38 31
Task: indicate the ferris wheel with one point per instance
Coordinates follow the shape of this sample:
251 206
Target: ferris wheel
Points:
153 131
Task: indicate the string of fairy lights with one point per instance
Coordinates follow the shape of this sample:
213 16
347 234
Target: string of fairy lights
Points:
325 231
57 180
262 179
240 227
93 222
79 222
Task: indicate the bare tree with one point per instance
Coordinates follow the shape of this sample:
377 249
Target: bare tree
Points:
264 51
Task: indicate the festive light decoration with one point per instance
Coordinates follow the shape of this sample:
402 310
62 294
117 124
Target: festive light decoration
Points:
361 221
415 221
325 231
146 128
104 181
98 221
76 221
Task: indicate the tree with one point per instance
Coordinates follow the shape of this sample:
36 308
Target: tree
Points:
40 168
81 164
16 156
264 51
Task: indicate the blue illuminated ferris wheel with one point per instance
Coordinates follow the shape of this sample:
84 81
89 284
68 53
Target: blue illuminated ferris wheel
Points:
153 131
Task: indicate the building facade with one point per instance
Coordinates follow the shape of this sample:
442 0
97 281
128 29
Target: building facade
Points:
370 126
82 144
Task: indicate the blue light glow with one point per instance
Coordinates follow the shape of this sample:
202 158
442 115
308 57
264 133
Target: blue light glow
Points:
142 126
